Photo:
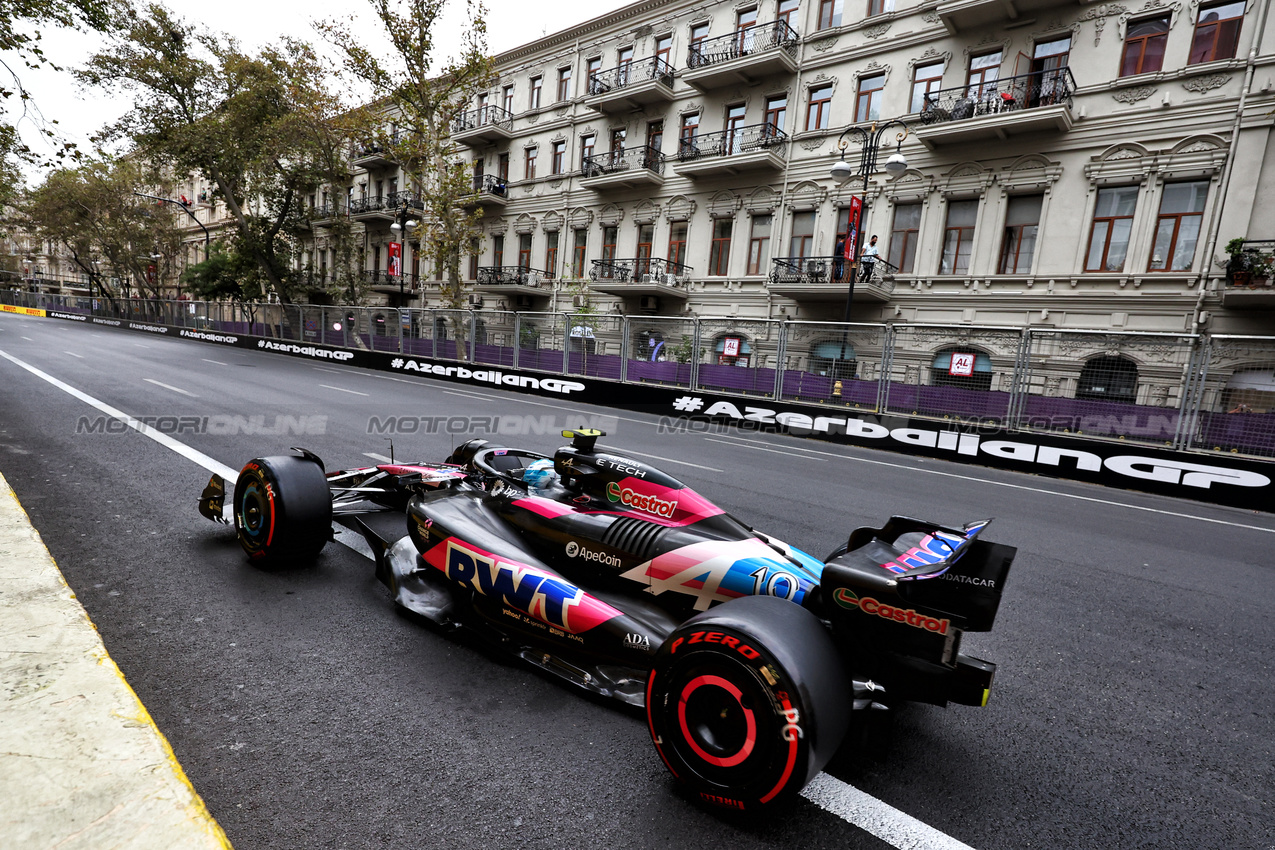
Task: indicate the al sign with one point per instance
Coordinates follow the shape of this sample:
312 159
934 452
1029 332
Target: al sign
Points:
962 365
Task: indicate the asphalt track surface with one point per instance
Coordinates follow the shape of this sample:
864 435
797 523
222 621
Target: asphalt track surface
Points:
1132 705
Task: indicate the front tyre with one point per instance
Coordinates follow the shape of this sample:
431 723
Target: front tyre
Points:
747 702
283 510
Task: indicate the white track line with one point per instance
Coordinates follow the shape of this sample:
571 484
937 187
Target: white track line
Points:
169 387
739 442
379 458
73 354
342 390
668 460
860 809
218 362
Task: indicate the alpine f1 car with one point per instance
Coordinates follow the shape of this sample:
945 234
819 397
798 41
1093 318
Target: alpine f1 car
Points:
749 655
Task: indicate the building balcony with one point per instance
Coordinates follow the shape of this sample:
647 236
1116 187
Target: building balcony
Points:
1250 273
742 57
634 167
824 279
370 155
515 280
640 276
1029 103
631 86
755 148
382 281
490 192
326 214
482 126
966 15
385 207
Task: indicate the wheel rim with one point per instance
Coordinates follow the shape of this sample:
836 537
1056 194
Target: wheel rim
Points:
253 511
717 721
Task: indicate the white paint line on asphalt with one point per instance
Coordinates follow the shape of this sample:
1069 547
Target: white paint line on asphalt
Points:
73 354
892 826
379 458
218 362
671 460
139 345
169 387
476 396
342 390
213 466
28 339
333 371
847 802
749 444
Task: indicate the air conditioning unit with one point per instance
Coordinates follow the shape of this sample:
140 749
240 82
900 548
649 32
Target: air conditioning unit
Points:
650 303
533 279
579 301
670 280
648 278
475 300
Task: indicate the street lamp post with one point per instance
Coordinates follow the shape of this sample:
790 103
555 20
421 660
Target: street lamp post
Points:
401 225
842 171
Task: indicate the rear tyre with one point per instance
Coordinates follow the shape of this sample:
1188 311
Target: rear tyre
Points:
747 702
283 510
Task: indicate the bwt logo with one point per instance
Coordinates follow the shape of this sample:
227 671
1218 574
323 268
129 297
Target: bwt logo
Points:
526 588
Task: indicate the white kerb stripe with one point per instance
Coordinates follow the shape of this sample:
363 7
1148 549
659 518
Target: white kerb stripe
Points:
213 466
892 826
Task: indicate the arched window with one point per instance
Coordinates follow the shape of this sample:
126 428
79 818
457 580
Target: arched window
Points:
1109 379
961 367
732 350
833 358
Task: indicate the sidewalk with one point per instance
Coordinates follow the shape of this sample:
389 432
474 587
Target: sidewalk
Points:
82 764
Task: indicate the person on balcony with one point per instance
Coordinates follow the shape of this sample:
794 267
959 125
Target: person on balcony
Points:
868 260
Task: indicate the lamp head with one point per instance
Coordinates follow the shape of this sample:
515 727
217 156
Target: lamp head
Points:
396 227
841 172
896 164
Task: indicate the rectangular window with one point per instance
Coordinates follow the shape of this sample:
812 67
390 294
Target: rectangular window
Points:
867 106
609 236
925 80
586 148
984 71
625 55
788 12
829 13
646 235
529 164
617 140
564 83
502 167
776 112
689 130
759 244
734 123
1112 225
551 252
507 99
820 110
699 32
677 242
579 250
537 83
591 69
1022 220
1217 32
524 250
663 49
719 251
744 22
559 154
958 237
1177 230
498 249
655 136
1144 46
482 108
880 7
803 235
473 259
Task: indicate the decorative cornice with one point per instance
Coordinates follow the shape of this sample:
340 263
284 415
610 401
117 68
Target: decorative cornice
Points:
1200 85
1134 95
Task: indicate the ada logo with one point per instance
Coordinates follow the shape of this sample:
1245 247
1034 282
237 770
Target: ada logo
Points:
650 504
633 640
909 616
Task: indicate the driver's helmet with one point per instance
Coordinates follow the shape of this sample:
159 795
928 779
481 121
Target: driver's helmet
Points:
539 476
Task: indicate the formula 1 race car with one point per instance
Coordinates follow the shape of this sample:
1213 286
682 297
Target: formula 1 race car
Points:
749 655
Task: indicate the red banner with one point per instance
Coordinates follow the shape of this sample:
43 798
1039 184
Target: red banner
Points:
852 237
395 267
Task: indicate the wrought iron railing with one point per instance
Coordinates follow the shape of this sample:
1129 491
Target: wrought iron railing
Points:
631 73
741 140
324 211
489 184
641 269
363 150
483 116
512 275
754 39
1255 260
384 278
790 270
1011 94
385 203
626 160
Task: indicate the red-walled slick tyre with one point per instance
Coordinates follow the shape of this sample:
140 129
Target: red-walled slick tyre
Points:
747 702
283 510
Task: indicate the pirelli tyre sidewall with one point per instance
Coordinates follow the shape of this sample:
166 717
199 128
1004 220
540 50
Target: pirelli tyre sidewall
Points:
283 510
747 702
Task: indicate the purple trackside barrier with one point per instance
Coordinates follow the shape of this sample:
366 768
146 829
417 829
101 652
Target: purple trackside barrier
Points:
541 359
733 378
595 365
1100 418
496 355
666 372
1245 432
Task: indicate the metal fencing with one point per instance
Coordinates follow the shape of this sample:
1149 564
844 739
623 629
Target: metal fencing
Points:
1182 391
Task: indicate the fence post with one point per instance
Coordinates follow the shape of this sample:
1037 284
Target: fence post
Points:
695 355
1192 393
1020 382
473 337
566 342
781 358
624 348
887 368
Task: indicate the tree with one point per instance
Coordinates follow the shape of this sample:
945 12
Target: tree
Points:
423 99
109 233
260 128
